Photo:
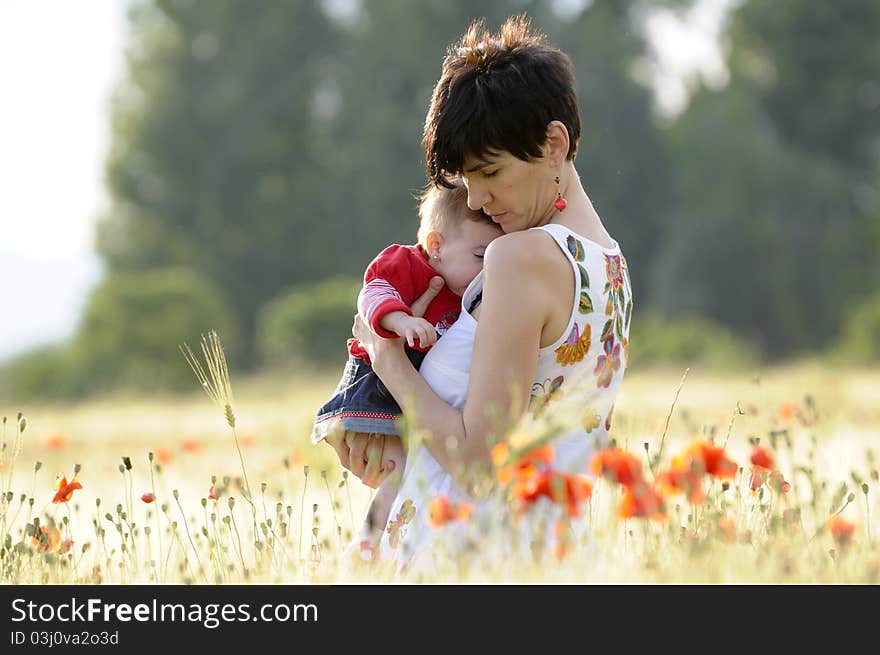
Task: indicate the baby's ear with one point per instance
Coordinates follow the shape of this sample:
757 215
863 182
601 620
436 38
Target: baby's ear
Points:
433 242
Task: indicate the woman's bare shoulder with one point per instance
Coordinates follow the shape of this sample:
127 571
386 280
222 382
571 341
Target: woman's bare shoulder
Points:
526 248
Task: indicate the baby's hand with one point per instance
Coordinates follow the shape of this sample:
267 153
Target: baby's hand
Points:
413 327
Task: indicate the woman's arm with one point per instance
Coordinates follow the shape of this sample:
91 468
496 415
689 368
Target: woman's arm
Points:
513 313
362 452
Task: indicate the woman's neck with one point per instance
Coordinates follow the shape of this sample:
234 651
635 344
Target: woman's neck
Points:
579 214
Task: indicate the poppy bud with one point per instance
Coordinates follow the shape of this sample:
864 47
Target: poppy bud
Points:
22 424
127 462
865 488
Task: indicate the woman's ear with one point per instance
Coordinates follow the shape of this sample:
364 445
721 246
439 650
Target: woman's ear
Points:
556 146
433 243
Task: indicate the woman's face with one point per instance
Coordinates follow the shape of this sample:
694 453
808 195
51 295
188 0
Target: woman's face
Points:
516 194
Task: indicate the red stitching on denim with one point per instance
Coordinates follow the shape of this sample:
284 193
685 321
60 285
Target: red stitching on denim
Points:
362 415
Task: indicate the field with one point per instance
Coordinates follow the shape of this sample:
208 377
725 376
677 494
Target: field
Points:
822 427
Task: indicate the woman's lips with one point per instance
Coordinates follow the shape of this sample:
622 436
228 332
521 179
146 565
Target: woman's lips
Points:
498 217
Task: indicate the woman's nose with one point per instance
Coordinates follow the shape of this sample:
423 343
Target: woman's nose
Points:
477 198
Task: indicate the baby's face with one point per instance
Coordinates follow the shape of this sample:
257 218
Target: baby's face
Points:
461 253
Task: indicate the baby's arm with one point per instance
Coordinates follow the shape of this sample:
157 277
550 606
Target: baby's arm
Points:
390 285
411 327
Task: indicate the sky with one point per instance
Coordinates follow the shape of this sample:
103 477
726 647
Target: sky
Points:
59 61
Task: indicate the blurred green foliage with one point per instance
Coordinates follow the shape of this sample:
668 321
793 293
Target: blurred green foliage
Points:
308 325
274 146
859 341
47 372
129 338
135 323
657 340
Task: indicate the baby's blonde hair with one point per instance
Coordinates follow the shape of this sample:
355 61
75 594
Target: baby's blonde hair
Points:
442 210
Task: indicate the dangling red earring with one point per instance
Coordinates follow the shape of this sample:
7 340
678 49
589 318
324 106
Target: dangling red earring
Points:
560 202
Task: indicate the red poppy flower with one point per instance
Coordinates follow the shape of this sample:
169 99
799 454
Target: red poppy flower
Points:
727 529
712 460
441 511
191 445
841 530
65 489
788 412
568 491
164 455
619 465
56 441
760 457
642 501
148 497
48 541
757 478
682 480
526 467
213 494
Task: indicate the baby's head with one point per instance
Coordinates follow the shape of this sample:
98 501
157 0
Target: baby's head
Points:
454 236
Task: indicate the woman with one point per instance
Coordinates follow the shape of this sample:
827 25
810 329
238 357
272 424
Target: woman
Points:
548 317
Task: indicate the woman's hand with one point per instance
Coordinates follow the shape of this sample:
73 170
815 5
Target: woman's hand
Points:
359 452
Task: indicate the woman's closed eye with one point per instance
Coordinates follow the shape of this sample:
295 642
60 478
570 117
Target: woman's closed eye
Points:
490 173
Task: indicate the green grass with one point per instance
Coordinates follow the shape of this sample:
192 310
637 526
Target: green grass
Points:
273 418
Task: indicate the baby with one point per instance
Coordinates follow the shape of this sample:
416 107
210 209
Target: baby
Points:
451 242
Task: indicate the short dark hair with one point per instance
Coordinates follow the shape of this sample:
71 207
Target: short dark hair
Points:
498 92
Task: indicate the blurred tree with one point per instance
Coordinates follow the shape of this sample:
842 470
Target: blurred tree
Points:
279 145
134 324
763 237
776 232
217 156
816 68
